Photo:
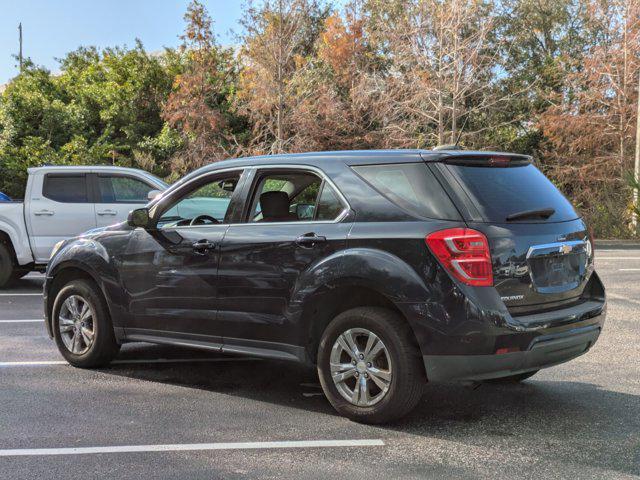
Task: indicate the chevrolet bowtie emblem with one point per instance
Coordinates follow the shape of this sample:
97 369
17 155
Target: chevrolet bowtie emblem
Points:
564 248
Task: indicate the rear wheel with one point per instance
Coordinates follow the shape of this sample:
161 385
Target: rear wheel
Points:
370 366
513 378
6 264
82 326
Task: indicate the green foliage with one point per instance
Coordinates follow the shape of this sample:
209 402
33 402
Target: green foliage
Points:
308 75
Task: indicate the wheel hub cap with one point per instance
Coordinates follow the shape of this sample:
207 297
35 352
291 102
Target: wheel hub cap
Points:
361 367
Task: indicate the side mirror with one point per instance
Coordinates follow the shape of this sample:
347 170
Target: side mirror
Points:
139 217
153 194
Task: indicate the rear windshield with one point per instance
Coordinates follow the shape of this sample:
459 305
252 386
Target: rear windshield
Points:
499 192
412 187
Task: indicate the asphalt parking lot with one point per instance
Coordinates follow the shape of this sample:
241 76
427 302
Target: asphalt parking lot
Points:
167 413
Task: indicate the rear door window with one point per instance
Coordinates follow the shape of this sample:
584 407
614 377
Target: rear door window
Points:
499 192
121 189
412 187
65 188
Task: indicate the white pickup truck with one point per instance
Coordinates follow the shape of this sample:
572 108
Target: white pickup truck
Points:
62 202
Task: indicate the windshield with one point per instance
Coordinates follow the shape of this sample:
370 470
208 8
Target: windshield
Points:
502 192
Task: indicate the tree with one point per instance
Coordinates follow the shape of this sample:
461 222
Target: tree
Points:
277 39
199 107
591 128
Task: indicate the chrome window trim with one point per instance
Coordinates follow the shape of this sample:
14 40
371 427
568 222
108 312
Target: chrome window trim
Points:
345 211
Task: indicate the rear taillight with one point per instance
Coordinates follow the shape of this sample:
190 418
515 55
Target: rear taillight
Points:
464 253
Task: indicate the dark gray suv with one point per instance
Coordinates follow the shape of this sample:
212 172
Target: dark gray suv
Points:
386 269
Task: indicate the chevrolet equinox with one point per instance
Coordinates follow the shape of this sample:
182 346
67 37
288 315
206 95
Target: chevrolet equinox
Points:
385 269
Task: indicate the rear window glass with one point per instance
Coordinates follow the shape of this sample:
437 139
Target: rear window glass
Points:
65 188
122 190
498 192
412 187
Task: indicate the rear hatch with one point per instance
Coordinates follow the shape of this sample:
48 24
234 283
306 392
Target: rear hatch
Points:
540 248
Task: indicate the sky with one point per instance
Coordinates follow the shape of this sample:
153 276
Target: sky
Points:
52 28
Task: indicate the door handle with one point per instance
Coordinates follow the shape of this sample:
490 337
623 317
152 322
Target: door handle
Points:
203 246
310 240
41 213
107 212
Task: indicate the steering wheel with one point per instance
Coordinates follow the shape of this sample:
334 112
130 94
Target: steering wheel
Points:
202 220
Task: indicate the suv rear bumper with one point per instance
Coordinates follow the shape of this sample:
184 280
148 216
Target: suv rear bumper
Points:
544 351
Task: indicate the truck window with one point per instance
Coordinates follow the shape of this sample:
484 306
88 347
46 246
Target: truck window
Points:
122 189
65 188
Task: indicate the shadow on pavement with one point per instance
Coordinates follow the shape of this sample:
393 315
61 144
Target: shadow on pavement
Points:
549 421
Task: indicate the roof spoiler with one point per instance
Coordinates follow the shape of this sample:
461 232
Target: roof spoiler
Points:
477 159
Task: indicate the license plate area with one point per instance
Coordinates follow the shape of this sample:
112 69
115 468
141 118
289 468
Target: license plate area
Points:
557 267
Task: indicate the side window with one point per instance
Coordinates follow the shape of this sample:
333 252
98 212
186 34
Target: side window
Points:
329 205
119 189
65 188
207 204
412 187
294 196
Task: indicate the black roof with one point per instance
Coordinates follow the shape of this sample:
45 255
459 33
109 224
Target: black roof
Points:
348 157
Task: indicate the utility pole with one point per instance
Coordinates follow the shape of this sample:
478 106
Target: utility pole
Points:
636 169
20 37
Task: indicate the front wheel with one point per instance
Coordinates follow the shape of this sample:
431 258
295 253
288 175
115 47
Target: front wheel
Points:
82 326
369 365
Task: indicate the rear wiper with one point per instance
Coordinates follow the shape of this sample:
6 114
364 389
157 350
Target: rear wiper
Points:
540 213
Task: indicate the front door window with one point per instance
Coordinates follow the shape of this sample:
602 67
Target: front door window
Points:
206 205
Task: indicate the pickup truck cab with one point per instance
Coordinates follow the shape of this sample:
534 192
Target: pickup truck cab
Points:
60 203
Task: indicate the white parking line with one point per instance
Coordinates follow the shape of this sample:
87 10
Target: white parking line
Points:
629 269
616 258
20 294
46 363
615 296
32 320
192 446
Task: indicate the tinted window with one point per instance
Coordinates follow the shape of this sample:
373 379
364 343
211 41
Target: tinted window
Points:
498 192
115 189
412 187
285 197
329 206
65 188
207 204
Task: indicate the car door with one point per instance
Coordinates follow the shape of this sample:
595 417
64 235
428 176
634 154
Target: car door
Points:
262 258
60 207
118 194
169 272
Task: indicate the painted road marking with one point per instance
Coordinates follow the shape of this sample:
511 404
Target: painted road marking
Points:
46 363
616 258
20 294
629 269
192 447
615 296
41 320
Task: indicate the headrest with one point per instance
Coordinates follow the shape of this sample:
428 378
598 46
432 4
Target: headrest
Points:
274 205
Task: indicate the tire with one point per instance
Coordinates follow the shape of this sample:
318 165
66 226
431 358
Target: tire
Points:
103 347
399 360
513 378
6 264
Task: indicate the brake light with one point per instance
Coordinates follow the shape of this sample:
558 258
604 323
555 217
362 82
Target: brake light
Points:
464 253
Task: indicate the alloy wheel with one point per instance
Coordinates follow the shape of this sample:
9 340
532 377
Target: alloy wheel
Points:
76 324
361 367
